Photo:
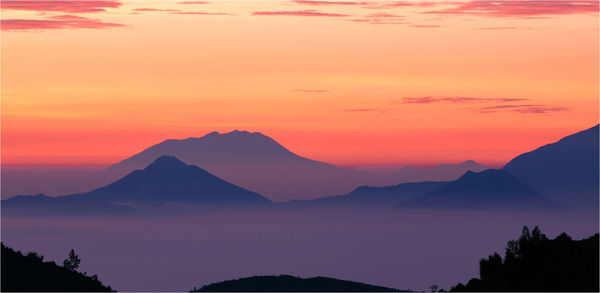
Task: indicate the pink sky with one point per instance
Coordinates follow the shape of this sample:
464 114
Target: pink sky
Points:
347 82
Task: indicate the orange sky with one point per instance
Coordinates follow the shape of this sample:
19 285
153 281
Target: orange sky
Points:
346 82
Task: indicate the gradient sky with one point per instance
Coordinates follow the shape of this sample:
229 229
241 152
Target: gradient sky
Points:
350 83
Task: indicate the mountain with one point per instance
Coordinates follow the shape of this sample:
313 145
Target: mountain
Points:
363 196
566 170
443 172
29 273
490 189
286 283
167 180
253 161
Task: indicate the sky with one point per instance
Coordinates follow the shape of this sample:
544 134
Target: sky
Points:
89 83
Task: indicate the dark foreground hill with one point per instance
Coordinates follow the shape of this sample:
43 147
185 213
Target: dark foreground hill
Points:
29 273
536 263
286 283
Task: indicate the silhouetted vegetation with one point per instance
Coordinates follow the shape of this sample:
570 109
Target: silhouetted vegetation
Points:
536 263
72 263
285 283
27 273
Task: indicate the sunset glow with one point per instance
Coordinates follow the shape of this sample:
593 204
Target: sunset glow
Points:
350 83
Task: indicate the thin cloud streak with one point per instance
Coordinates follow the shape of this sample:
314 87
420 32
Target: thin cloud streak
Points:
328 3
60 6
299 13
524 109
157 10
199 13
56 22
455 100
383 15
534 8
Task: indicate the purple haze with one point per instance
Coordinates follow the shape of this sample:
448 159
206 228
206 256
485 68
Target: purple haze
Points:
405 249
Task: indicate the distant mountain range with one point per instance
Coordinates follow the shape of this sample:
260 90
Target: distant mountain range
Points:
370 196
443 172
490 189
166 181
566 170
286 283
257 162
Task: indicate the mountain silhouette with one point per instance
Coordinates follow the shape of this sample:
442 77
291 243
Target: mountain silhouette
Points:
253 161
166 180
443 172
286 283
566 170
490 189
169 179
371 196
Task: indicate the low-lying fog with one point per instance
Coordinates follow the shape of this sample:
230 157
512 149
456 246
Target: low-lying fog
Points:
404 249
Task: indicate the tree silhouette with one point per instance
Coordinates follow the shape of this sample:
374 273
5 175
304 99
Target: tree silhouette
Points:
72 263
535 263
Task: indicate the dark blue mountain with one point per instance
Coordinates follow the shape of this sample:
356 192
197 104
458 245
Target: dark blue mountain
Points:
566 170
490 189
166 181
169 179
371 196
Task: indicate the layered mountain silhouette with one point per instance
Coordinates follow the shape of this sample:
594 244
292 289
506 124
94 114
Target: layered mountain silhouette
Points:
169 179
253 161
443 172
365 196
490 189
257 162
566 170
166 180
286 283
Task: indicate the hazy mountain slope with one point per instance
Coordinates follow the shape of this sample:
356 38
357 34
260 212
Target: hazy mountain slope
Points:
443 172
566 170
364 196
490 189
